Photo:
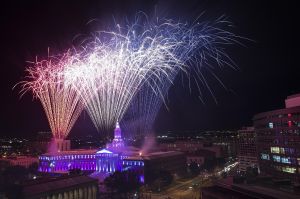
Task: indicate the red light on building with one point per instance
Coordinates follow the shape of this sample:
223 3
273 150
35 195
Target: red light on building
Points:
290 123
289 115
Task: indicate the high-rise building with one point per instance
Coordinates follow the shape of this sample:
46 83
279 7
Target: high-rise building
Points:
247 153
278 140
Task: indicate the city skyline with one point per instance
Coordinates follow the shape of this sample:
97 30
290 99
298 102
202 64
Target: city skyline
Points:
149 99
260 84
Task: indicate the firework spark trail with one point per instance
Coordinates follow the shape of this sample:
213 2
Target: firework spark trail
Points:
109 70
62 104
141 114
198 47
117 64
113 72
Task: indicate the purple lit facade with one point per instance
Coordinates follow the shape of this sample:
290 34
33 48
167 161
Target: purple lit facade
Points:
66 160
116 157
100 161
117 142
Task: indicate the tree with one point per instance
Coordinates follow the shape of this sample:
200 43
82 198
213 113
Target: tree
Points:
209 163
221 161
11 179
160 178
13 191
194 168
251 172
166 176
15 174
123 182
33 168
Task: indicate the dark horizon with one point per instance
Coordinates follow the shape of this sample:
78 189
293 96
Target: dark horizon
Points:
267 71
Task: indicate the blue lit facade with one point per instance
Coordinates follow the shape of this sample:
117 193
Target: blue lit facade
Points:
100 161
67 160
116 157
108 161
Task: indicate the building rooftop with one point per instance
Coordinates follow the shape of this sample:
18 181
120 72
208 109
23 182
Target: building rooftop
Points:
292 101
261 190
293 96
292 104
73 152
202 153
18 157
291 110
41 186
220 192
246 129
257 189
160 154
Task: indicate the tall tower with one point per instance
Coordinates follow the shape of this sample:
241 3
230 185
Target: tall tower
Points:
117 132
117 141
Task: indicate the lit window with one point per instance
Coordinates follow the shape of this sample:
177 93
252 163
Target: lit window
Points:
298 159
289 169
265 156
271 125
286 160
282 150
276 158
275 150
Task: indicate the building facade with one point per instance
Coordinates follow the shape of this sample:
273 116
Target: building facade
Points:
247 153
70 187
278 140
115 157
189 146
227 140
199 157
24 161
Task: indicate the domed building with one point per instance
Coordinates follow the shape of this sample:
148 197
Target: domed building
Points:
115 157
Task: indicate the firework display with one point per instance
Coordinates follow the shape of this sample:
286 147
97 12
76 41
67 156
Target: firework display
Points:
197 47
128 69
61 103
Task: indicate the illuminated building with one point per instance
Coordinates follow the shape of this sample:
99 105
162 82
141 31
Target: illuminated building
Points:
247 154
118 140
115 157
278 140
67 160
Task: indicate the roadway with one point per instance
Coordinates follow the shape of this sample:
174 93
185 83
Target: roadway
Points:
190 188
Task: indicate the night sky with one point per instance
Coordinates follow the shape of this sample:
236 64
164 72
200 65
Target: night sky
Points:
268 68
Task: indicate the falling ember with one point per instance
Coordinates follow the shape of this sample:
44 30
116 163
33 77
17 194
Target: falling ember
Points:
62 105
